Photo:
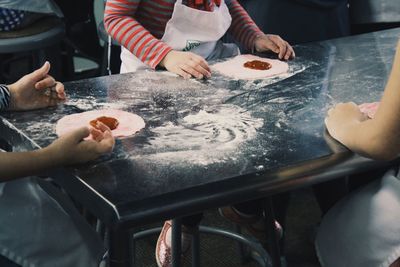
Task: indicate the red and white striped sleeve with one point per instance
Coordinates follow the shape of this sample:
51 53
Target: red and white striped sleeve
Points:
243 28
121 25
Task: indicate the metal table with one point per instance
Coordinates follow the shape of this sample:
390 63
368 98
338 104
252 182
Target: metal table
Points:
215 142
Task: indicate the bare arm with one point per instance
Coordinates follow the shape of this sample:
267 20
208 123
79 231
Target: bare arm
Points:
377 138
40 90
19 164
67 150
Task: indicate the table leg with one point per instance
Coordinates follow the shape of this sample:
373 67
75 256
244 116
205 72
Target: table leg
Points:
119 247
273 240
176 242
196 248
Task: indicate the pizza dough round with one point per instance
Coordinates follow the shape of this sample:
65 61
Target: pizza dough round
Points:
369 109
129 123
234 68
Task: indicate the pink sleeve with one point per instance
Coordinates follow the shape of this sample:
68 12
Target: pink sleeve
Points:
243 28
121 25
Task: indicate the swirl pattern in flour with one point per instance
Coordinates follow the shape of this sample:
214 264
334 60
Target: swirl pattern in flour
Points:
214 134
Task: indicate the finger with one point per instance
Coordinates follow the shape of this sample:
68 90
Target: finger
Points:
102 127
282 49
272 46
197 65
192 71
39 74
281 44
60 91
195 69
46 82
96 134
55 98
59 87
106 145
282 52
292 53
61 96
181 73
80 134
202 62
289 52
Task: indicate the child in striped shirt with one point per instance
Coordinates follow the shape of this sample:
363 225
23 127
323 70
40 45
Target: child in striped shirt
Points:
180 35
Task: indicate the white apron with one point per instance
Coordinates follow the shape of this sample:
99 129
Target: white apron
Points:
191 30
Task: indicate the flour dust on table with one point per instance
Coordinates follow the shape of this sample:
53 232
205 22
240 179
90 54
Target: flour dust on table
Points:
215 134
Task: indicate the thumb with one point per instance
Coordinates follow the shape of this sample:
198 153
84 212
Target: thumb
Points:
41 73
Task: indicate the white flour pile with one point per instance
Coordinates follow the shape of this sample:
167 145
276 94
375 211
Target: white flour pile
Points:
214 136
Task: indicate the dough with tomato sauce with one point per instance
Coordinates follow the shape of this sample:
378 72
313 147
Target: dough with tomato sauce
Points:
234 68
128 123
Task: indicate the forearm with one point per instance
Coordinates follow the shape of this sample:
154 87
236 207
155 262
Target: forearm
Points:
380 137
367 139
120 23
243 28
19 164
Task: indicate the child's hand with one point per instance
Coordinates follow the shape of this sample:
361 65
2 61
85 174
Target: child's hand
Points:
341 119
186 64
72 149
275 44
36 90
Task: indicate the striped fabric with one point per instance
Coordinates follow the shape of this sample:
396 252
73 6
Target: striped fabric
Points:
10 19
138 25
4 97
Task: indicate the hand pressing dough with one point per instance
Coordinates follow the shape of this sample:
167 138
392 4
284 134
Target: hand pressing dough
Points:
235 68
128 123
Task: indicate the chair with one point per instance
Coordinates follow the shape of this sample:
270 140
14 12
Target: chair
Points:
35 42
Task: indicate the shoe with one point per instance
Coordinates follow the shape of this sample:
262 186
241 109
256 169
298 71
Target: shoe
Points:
163 248
254 224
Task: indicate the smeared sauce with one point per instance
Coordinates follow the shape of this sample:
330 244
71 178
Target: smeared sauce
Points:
112 123
257 65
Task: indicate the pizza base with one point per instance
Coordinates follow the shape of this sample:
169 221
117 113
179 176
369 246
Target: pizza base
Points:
129 123
234 68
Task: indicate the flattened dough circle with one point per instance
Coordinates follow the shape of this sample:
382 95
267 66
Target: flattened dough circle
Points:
129 123
234 68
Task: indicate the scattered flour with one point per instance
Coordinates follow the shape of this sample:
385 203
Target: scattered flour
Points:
216 136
